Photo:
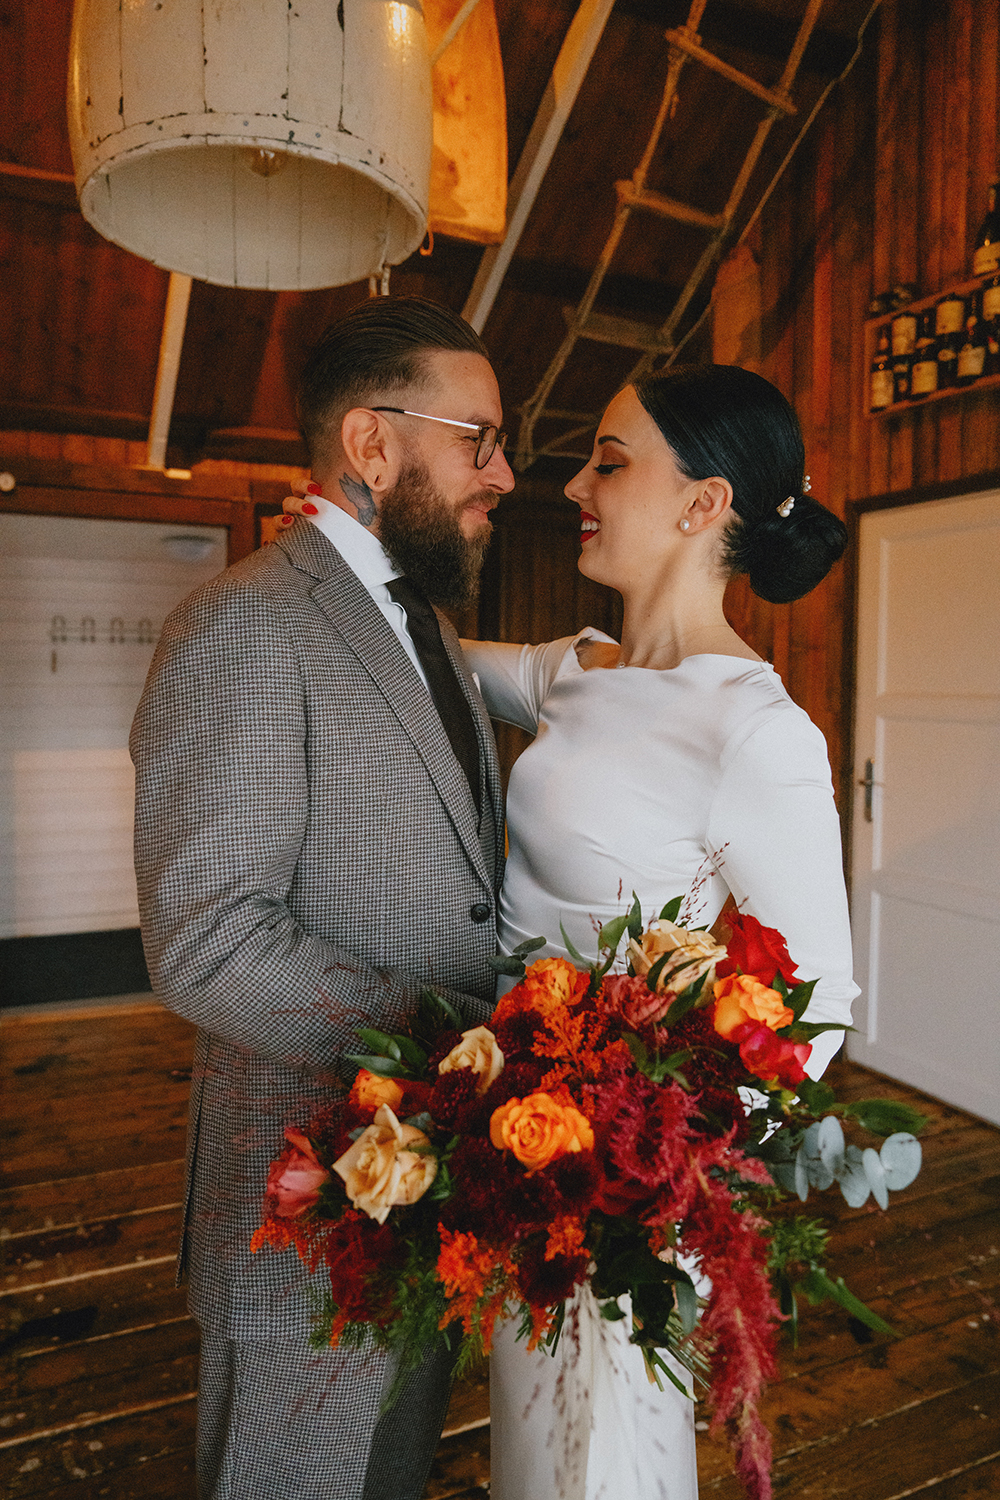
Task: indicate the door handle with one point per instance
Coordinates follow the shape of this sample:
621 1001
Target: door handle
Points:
868 782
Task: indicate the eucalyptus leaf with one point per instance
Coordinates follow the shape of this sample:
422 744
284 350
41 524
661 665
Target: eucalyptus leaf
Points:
875 1172
802 1174
830 1138
780 1159
818 1170
901 1156
634 919
501 964
672 910
853 1178
530 945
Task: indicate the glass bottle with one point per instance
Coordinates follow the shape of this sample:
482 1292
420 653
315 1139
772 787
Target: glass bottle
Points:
972 352
924 370
880 388
986 251
949 322
990 310
904 338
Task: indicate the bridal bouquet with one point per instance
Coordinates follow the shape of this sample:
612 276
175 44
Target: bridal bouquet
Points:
619 1128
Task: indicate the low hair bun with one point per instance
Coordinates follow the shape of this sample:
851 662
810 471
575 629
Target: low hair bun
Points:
721 419
786 556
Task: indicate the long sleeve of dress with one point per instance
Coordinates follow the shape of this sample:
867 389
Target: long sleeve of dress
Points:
774 835
515 680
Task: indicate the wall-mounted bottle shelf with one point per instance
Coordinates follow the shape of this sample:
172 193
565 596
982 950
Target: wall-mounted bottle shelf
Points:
923 305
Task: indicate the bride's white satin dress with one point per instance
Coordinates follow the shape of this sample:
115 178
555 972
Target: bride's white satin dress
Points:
706 779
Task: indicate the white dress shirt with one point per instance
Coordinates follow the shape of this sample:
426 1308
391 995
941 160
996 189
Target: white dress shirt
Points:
367 558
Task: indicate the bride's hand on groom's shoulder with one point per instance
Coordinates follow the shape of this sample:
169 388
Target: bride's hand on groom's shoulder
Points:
306 499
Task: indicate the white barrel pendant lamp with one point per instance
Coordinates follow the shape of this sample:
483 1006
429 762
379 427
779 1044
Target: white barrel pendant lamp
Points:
254 143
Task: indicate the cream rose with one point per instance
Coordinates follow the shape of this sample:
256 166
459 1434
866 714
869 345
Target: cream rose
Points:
380 1172
477 1050
693 955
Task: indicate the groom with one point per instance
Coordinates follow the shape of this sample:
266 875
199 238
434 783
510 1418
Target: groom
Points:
318 834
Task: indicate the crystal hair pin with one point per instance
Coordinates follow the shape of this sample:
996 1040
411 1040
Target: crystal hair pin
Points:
786 507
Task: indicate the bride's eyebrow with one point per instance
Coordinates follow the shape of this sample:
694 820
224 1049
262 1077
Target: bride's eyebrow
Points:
609 437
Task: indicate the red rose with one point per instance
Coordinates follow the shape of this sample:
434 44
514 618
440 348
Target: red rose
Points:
296 1177
757 950
772 1058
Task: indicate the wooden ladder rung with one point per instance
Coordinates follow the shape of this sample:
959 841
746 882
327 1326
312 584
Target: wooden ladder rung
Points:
666 208
622 332
780 101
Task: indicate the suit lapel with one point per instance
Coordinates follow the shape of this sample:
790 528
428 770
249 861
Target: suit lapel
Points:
359 622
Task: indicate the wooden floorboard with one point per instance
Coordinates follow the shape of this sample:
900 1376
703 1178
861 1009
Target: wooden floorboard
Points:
100 1356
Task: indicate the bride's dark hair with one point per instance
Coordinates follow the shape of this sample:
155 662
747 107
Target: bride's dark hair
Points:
719 419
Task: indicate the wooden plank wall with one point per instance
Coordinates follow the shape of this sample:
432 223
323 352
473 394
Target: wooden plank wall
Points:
889 187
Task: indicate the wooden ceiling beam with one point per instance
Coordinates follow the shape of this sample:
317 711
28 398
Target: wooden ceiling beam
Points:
579 45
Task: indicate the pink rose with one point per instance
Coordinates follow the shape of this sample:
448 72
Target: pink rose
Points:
773 1059
297 1176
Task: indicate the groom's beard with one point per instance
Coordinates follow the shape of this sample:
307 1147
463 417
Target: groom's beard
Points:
422 533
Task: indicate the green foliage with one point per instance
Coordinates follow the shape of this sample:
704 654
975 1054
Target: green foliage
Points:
514 964
886 1116
654 1066
672 910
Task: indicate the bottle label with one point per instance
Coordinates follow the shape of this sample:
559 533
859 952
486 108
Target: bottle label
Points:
904 333
971 358
991 302
883 389
950 316
986 259
924 377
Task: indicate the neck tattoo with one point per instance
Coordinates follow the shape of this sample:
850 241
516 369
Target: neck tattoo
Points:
360 497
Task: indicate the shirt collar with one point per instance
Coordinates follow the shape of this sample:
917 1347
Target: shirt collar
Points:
361 550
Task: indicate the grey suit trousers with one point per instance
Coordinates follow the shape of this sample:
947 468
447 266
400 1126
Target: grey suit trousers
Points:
270 1422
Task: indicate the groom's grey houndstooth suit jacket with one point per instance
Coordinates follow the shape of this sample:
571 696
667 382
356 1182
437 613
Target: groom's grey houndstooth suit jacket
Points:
308 856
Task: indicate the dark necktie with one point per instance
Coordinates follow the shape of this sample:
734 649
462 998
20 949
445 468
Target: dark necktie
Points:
449 700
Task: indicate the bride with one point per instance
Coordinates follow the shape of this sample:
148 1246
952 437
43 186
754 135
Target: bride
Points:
685 768
673 763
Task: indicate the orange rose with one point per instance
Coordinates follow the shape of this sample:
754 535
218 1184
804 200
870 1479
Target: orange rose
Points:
550 983
538 1129
371 1089
741 997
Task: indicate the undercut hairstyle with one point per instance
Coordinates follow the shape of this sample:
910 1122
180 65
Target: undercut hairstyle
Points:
370 355
720 419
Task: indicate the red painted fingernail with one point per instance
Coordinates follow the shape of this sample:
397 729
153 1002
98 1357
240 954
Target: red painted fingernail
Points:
310 510
312 488
285 520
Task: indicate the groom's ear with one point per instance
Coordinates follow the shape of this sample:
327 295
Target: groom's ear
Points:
371 448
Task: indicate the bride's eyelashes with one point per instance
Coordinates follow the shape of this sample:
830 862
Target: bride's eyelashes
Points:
607 468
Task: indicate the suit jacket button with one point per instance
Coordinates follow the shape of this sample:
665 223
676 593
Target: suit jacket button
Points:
480 912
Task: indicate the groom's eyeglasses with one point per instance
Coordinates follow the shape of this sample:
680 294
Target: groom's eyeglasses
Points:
489 439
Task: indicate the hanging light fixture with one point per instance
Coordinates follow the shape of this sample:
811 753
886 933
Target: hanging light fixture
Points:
253 143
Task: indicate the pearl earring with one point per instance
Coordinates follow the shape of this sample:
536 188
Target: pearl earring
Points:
685 525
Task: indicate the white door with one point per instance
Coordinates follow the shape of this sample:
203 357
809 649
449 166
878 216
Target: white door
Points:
926 863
